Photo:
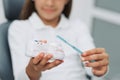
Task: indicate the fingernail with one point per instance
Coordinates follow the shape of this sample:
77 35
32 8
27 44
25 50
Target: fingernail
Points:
83 59
84 54
58 62
49 56
86 64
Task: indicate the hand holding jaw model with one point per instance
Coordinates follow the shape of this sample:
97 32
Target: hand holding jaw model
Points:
54 48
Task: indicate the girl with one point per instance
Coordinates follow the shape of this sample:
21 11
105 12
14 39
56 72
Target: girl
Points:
46 18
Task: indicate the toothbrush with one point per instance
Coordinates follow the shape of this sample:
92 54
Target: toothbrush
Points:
72 46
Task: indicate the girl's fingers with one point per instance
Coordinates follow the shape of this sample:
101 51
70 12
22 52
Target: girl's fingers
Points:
93 51
95 57
97 63
45 60
100 71
53 64
38 58
41 62
96 54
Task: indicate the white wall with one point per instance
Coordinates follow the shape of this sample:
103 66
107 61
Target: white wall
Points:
83 9
2 17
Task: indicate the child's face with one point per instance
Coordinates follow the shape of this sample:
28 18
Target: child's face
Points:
50 9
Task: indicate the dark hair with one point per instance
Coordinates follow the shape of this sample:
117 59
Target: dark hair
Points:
29 7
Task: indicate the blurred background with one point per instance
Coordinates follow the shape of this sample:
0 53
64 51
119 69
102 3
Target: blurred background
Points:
103 20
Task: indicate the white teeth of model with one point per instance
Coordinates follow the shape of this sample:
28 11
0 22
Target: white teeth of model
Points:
48 48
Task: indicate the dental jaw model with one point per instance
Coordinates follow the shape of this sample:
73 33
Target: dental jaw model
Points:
54 48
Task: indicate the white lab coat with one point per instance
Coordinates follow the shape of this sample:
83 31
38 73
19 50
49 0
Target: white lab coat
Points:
74 31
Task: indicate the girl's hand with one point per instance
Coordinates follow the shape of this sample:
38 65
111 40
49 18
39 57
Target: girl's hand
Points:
100 63
40 63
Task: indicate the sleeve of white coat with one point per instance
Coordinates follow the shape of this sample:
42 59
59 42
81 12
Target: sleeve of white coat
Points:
17 43
86 42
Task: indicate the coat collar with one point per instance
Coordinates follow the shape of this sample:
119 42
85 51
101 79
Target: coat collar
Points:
37 23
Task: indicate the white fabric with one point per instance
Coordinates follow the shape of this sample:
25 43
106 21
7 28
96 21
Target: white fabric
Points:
74 31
